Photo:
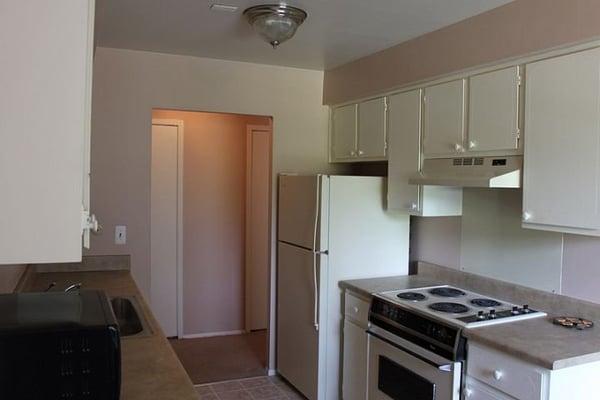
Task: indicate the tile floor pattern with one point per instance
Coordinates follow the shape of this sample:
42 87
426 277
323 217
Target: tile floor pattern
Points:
260 388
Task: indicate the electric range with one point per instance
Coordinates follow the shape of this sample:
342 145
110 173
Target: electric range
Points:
417 350
458 306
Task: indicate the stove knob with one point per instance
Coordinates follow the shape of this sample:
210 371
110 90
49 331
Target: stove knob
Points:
480 315
515 310
526 309
492 314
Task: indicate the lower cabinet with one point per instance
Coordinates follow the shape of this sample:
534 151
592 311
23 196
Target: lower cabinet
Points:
474 390
355 358
493 375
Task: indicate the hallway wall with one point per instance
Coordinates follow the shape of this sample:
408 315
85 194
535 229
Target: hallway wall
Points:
214 201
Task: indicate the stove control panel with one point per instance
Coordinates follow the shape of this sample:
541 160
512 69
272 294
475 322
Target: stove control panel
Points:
493 314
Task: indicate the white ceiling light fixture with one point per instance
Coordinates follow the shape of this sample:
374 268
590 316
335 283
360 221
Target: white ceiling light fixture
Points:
275 23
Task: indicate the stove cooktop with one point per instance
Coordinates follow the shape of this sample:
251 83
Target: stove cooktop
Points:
459 307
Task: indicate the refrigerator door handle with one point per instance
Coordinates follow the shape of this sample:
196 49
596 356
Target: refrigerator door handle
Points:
316 254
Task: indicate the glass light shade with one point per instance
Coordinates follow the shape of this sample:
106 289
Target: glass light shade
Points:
275 29
275 23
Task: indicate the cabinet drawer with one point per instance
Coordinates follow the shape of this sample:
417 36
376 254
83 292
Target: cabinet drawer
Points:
507 374
475 390
356 309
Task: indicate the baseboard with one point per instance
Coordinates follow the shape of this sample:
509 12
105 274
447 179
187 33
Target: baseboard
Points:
211 334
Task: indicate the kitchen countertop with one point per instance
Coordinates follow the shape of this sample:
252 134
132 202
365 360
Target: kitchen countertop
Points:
150 368
537 341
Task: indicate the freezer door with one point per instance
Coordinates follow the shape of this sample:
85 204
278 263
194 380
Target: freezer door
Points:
297 338
301 204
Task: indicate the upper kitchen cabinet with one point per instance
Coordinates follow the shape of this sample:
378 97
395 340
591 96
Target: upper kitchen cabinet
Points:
562 144
343 132
44 129
404 132
444 119
359 131
494 99
372 127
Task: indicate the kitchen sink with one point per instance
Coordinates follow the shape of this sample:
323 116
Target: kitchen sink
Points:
129 317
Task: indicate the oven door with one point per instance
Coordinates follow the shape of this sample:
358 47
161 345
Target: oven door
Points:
400 370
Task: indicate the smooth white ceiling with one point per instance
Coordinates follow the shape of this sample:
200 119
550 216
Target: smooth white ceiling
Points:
336 31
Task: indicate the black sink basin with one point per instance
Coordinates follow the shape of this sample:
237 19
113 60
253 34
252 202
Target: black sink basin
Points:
127 316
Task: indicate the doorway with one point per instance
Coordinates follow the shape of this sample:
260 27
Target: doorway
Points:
224 237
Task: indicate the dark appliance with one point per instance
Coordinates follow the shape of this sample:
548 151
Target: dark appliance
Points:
59 346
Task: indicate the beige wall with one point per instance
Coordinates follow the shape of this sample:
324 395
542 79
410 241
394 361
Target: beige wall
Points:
518 28
129 84
214 201
438 240
9 277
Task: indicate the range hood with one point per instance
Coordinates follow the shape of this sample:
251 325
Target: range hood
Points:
484 172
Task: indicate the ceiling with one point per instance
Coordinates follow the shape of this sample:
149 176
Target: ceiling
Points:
336 31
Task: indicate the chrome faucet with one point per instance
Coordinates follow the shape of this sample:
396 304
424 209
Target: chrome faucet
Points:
75 286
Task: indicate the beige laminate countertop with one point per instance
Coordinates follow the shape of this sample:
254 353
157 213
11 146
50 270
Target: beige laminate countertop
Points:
150 368
537 341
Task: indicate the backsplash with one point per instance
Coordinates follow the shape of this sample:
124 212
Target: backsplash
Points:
440 241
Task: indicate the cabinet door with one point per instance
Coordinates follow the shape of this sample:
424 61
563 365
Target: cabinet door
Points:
494 111
562 143
404 133
354 379
444 120
44 114
372 129
344 132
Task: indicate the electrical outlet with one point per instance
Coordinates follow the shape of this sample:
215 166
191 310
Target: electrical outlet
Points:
120 234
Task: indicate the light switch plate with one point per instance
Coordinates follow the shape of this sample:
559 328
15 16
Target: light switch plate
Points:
120 234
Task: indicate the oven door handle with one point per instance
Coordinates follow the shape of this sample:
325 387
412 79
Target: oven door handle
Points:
444 367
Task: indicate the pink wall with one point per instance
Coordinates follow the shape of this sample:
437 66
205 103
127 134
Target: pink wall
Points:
518 28
214 213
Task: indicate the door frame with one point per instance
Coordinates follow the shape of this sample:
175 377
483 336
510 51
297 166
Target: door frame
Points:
249 130
179 239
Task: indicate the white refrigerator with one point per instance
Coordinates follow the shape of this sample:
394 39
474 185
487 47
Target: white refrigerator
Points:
330 228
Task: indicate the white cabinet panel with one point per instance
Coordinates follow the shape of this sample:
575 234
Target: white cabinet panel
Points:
404 133
405 150
372 123
354 378
44 122
356 309
343 135
507 374
444 119
562 144
475 390
494 111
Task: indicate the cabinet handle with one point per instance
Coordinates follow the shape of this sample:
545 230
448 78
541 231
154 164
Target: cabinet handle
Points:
472 144
355 309
498 375
353 153
414 206
360 152
458 148
468 392
527 216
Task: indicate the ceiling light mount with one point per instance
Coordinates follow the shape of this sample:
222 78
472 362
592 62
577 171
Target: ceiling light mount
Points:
275 23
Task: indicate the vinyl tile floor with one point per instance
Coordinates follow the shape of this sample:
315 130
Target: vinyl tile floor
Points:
223 358
260 388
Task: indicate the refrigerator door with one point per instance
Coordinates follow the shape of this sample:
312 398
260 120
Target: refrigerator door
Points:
301 205
297 338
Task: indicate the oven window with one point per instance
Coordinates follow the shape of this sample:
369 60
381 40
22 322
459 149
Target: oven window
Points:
401 384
